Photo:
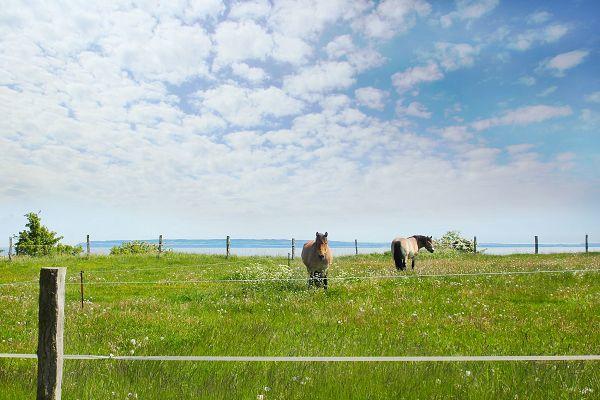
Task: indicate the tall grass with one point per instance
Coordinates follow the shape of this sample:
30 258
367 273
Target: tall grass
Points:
469 315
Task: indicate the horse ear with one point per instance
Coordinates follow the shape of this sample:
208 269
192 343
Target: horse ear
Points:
325 234
317 234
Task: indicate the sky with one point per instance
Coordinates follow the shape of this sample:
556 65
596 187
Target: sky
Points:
276 119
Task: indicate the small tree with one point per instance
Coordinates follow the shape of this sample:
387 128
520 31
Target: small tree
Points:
452 240
37 240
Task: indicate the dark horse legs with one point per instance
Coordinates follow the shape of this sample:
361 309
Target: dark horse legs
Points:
413 264
317 279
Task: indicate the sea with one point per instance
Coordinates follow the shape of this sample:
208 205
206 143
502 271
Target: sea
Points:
281 247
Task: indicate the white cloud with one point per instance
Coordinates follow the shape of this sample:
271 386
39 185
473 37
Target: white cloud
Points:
169 52
538 17
248 107
548 34
391 17
413 109
306 19
291 50
527 80
547 91
452 56
360 58
557 65
411 77
523 116
455 133
238 41
255 9
371 97
251 74
320 78
593 97
468 10
340 46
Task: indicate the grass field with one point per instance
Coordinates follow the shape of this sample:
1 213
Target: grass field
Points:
536 314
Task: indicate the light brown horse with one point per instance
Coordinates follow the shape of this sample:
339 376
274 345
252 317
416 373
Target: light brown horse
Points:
405 248
317 257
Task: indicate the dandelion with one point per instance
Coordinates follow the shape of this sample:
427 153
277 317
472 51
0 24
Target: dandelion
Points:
260 396
267 388
133 342
468 373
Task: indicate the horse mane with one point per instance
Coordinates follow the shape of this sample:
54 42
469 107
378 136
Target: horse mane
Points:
420 238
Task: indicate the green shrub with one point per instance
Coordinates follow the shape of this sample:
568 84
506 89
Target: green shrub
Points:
453 241
37 240
134 247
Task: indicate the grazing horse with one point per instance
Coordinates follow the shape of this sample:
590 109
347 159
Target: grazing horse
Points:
405 248
317 257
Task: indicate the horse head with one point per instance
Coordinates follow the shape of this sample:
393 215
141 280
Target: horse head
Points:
428 244
321 244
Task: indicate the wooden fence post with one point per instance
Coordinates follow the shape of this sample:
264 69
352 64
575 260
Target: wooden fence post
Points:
9 248
356 246
293 248
536 244
50 333
159 244
81 286
586 243
474 244
87 242
288 259
227 246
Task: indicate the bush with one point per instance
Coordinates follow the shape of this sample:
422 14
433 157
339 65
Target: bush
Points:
37 240
134 247
453 241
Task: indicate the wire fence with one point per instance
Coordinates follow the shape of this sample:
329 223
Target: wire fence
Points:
320 359
282 247
304 279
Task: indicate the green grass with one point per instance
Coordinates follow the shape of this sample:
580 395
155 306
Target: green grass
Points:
469 315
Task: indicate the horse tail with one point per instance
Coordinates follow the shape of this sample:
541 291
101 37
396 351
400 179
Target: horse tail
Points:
398 256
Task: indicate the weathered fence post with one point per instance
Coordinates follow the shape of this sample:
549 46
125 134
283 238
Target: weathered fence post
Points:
288 259
474 244
87 242
81 286
50 333
536 244
227 246
9 248
356 246
293 248
586 243
159 244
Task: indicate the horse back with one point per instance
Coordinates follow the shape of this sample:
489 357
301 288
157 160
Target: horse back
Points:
407 246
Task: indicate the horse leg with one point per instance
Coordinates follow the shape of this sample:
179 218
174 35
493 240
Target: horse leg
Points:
404 262
325 281
310 279
413 264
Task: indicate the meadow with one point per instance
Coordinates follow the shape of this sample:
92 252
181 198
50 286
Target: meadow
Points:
172 305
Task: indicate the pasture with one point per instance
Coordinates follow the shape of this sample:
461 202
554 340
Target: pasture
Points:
184 312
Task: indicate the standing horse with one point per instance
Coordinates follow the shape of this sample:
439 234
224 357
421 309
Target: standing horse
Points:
405 248
317 257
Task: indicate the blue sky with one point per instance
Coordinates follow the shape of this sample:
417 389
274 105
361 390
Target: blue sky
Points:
273 119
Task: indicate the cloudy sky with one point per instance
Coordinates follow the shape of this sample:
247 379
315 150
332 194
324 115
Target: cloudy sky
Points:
275 119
